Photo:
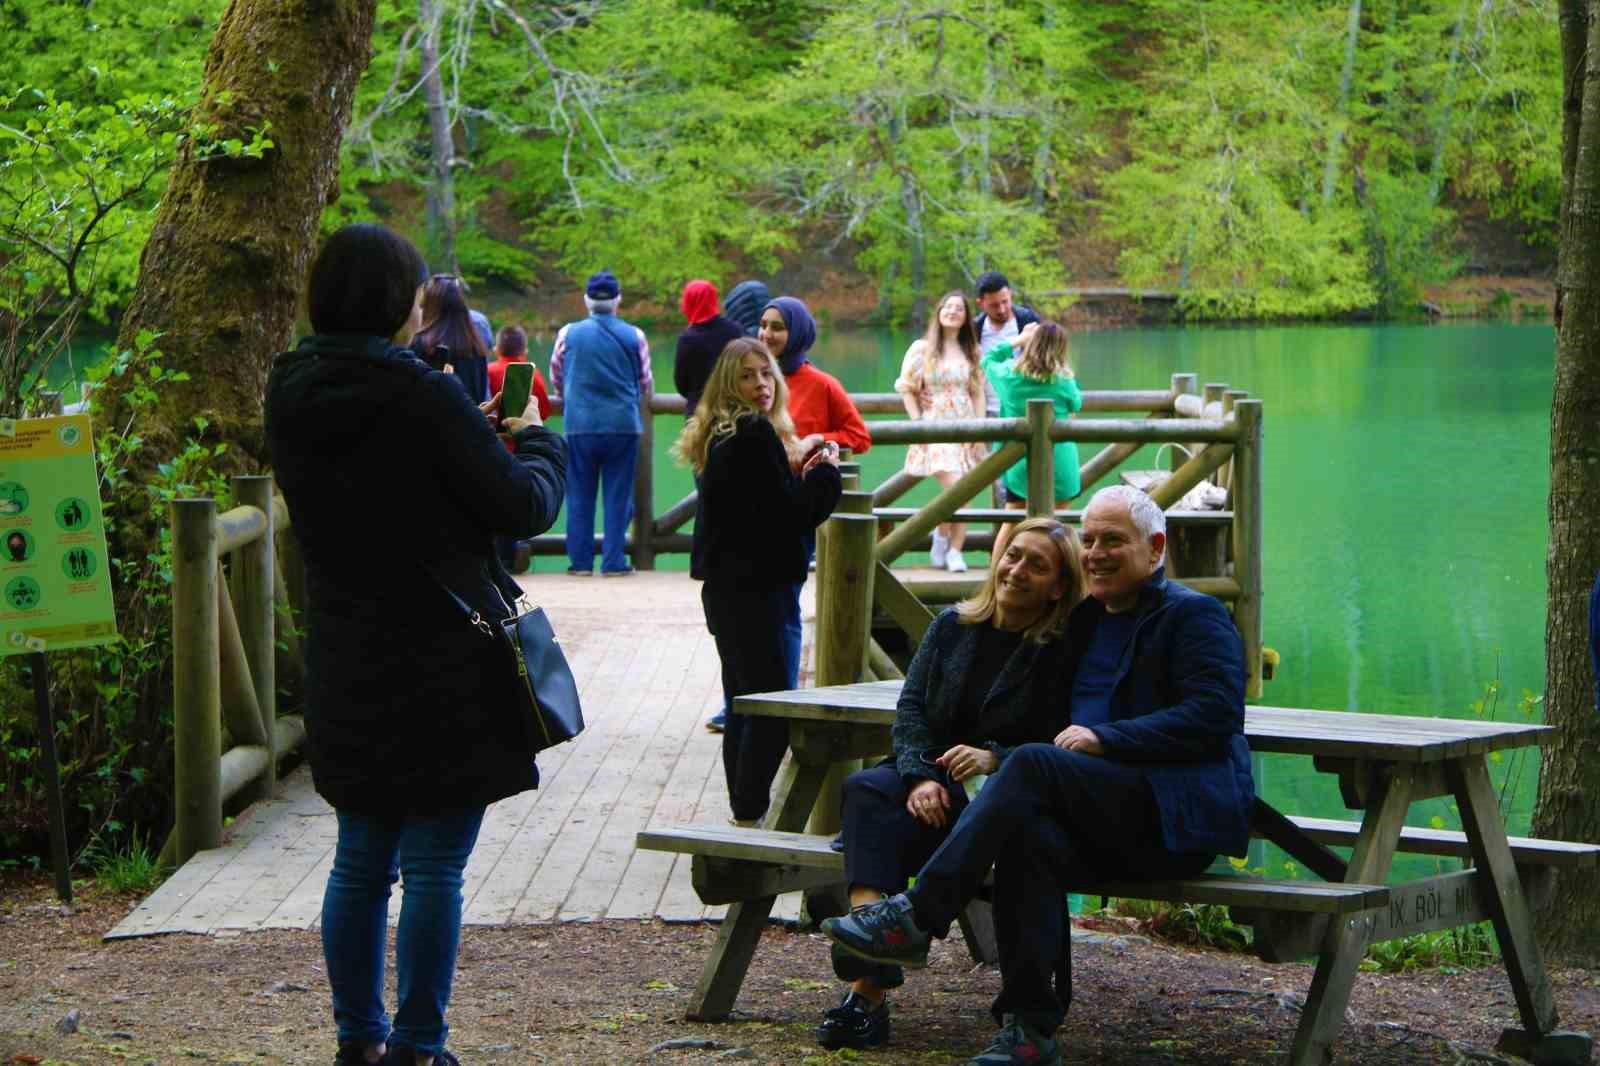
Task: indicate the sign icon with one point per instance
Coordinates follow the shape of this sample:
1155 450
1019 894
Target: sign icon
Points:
22 593
79 564
19 546
72 514
13 498
69 435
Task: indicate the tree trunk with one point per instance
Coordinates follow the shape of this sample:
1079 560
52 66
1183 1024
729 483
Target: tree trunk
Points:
441 188
222 275
1330 173
1569 784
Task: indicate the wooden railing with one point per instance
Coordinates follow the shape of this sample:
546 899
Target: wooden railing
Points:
654 534
856 586
230 640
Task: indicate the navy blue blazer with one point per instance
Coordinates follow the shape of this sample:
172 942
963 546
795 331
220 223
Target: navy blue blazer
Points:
1177 710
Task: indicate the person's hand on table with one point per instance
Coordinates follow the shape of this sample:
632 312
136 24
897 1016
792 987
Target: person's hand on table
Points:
964 761
1080 738
929 804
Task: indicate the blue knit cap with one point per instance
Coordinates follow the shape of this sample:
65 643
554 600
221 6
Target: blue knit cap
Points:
603 286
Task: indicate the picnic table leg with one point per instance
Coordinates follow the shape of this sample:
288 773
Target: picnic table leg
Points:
1508 909
1346 942
723 973
795 795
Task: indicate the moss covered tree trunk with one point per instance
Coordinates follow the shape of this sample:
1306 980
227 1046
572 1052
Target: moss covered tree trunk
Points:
1569 784
221 281
222 275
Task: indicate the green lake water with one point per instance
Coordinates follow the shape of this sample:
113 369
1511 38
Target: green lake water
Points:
1406 484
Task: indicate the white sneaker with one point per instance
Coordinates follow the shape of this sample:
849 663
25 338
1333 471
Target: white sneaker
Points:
941 550
955 564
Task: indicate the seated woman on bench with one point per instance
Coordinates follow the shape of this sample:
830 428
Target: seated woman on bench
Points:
984 680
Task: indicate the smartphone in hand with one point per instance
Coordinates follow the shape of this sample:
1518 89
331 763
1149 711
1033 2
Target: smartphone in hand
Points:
514 392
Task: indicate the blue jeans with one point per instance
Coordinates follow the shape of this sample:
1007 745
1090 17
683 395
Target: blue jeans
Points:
372 852
600 462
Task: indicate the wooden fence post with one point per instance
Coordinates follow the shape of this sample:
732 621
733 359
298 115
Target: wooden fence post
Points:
197 678
644 487
845 586
254 607
1247 535
1041 459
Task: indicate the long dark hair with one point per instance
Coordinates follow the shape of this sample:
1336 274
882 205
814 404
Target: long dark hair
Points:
446 322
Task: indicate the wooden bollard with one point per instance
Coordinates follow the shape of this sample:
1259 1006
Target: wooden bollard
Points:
197 678
843 629
1247 532
1041 458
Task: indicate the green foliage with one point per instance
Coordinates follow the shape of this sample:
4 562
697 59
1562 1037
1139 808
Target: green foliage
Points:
1447 950
113 717
93 102
925 142
1201 924
129 867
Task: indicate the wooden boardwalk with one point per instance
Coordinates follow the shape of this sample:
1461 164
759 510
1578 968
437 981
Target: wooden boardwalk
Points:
648 673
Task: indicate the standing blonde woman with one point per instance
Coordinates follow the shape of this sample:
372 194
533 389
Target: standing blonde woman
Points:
750 545
941 379
1039 371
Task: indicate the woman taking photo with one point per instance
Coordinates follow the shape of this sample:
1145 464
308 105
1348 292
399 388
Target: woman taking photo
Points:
987 677
755 518
1040 371
449 340
410 723
941 379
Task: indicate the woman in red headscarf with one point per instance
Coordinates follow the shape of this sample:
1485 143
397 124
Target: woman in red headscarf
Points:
700 344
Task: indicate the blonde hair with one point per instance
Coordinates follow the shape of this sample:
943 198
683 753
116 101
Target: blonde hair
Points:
966 340
980 607
1045 358
721 407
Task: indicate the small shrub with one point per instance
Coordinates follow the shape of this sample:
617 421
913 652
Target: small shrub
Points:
1463 947
1203 924
129 867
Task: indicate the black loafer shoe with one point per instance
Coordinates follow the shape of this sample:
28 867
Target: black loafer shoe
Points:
854 1024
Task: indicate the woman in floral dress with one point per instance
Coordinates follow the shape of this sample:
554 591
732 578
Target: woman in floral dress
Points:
942 379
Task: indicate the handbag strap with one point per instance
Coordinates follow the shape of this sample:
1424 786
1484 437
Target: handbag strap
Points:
474 616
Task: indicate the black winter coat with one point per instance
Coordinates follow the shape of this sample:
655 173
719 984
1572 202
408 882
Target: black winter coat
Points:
755 516
1025 702
699 348
395 482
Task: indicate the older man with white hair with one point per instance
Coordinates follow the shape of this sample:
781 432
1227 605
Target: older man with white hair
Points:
1149 778
601 369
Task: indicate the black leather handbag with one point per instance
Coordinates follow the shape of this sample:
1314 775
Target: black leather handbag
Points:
547 693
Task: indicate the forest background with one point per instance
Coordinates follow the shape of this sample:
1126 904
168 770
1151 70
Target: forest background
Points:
1262 158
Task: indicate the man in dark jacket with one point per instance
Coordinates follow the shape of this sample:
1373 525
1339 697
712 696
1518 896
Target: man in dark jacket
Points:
999 319
1150 779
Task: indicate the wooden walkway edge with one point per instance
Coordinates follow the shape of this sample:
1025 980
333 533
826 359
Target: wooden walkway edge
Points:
649 676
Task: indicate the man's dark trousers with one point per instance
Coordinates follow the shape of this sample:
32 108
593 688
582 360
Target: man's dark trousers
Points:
1047 821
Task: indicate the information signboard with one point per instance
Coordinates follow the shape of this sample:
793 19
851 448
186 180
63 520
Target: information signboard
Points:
55 580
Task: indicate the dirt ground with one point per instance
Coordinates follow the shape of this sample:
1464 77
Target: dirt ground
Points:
614 992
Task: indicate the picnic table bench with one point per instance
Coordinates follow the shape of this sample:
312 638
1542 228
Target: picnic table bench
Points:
1384 763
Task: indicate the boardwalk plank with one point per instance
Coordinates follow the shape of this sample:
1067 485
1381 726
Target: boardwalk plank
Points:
649 675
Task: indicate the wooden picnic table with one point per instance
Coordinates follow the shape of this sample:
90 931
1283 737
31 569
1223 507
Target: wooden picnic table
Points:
1384 763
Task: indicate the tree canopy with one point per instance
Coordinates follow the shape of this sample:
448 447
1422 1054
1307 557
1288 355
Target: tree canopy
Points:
1264 157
